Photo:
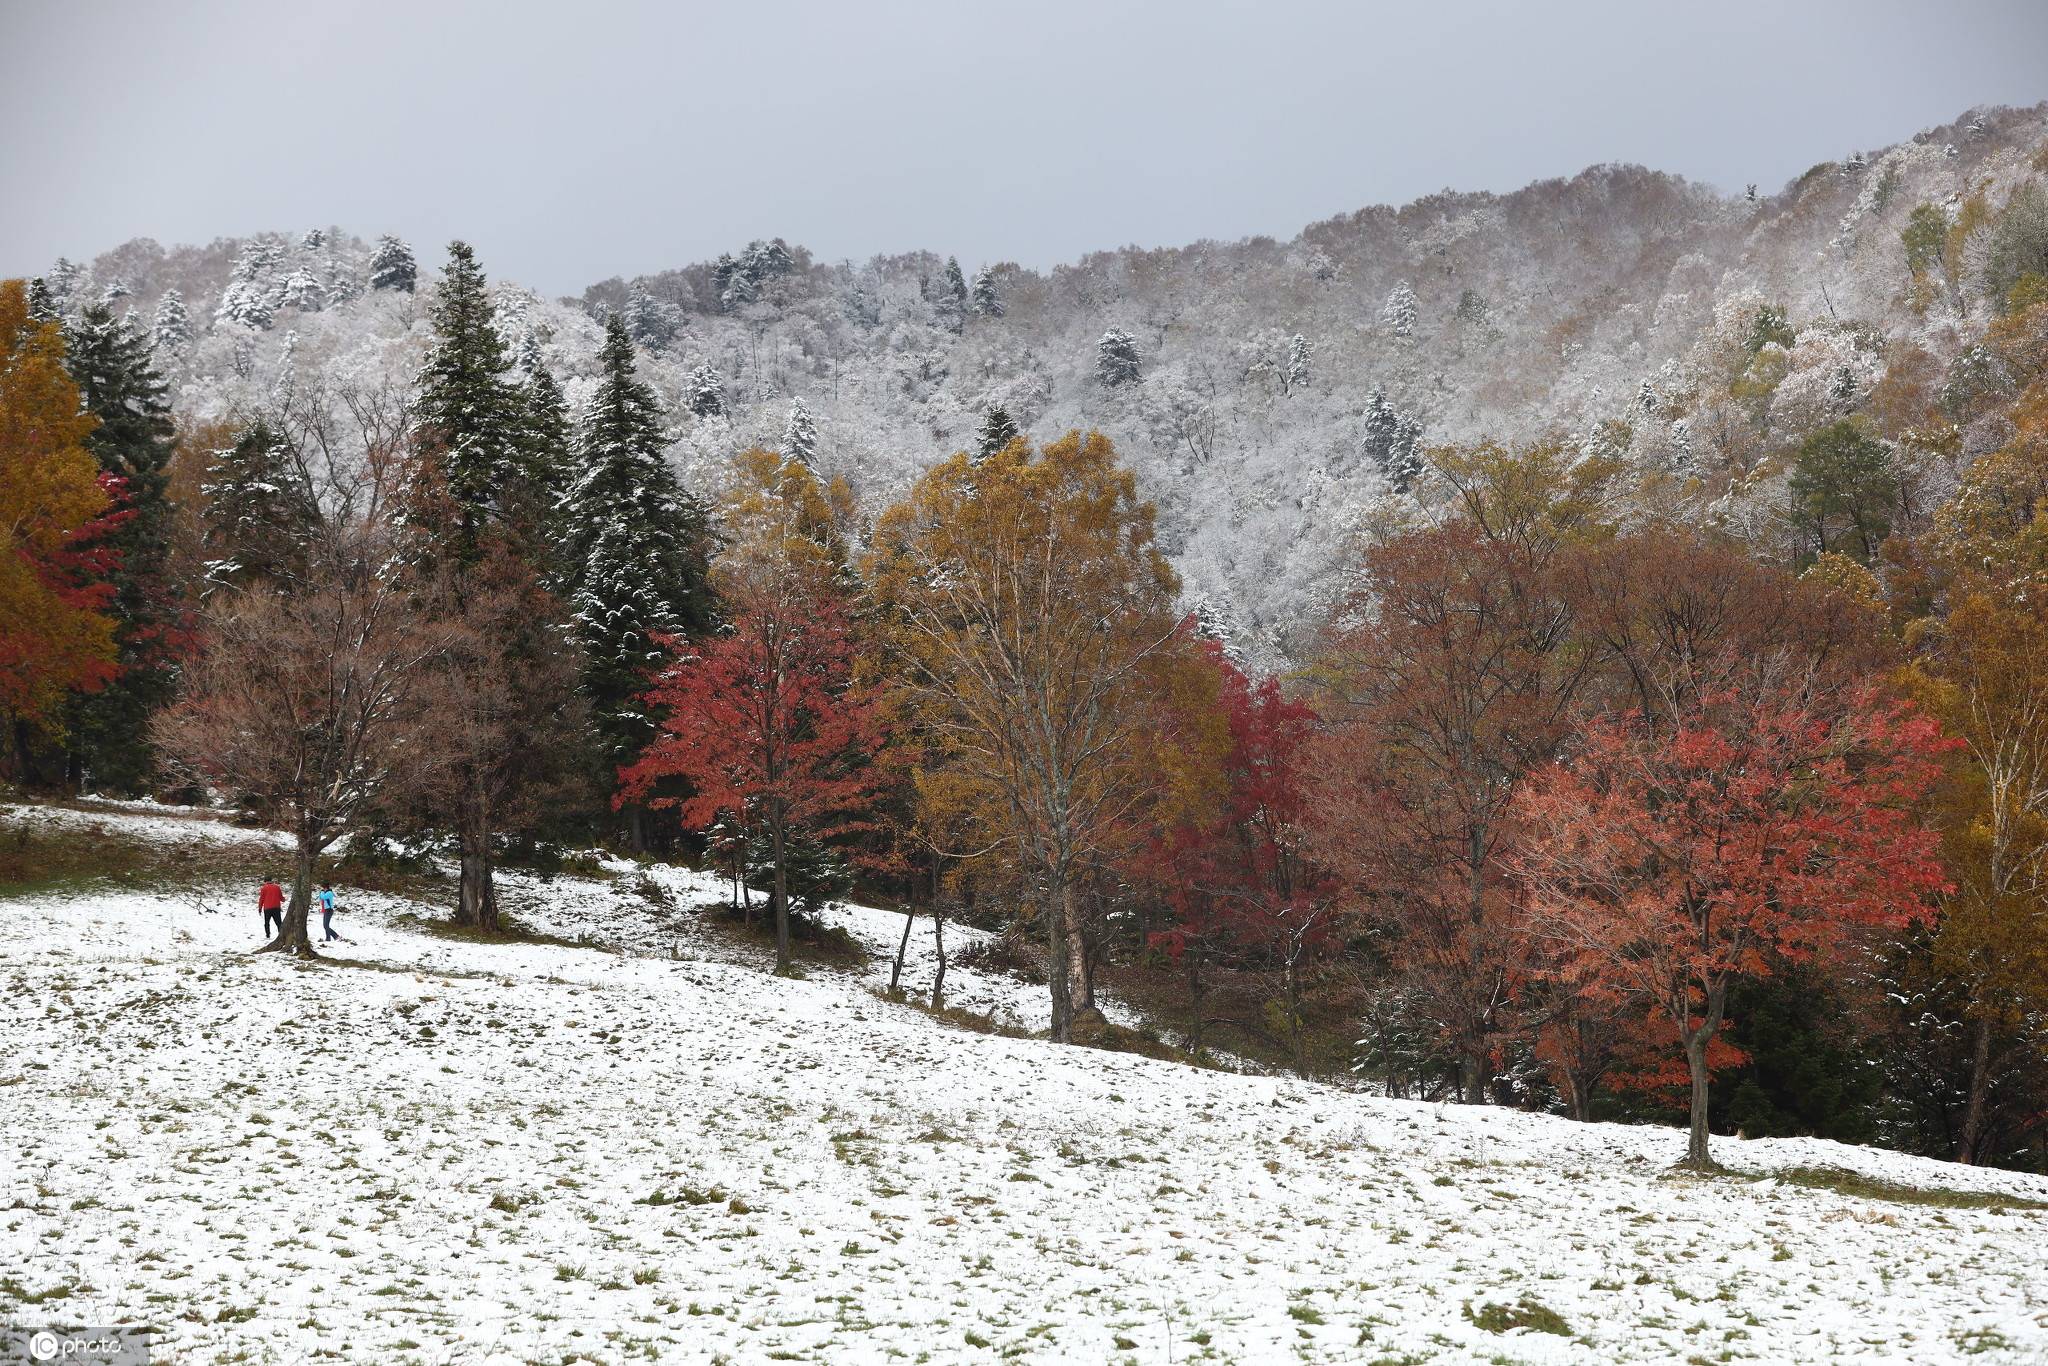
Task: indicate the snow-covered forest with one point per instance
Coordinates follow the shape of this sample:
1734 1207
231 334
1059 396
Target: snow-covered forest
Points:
1264 391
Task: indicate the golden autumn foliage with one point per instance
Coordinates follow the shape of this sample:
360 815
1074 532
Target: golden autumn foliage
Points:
1030 616
53 638
1982 669
1547 493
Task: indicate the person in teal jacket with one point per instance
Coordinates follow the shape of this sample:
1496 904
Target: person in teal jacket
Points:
324 898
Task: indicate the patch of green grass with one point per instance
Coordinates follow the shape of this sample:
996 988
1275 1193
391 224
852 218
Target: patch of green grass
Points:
39 856
1858 1187
1527 1312
1978 1341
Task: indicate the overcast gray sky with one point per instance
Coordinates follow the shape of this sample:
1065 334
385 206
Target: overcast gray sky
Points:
573 141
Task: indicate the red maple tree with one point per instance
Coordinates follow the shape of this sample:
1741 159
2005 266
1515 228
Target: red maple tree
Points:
1236 883
763 722
1664 863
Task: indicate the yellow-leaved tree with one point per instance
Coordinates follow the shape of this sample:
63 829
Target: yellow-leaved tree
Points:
1031 621
1983 670
53 636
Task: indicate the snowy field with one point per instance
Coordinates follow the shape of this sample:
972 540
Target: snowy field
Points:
435 1150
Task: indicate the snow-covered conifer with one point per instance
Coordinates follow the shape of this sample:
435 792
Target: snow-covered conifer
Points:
469 417
1381 425
1301 353
987 302
704 391
800 434
244 303
259 514
303 291
997 430
1116 359
392 265
637 548
651 322
170 330
1400 313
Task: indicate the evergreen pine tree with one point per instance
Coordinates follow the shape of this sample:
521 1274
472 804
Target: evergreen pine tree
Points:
42 304
62 285
638 547
950 297
986 301
997 431
800 434
470 424
740 290
392 265
547 452
704 391
244 303
170 329
1382 423
302 290
132 442
1116 359
652 322
1399 315
766 260
1404 459
1301 354
260 515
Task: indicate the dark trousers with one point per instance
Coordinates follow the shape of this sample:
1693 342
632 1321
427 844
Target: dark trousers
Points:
327 925
273 920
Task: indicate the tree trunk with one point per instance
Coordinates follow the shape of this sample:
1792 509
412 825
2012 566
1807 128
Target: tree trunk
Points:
636 829
1194 1003
1472 1076
902 947
1696 1155
778 845
1081 1011
939 947
1056 970
293 938
1972 1137
476 893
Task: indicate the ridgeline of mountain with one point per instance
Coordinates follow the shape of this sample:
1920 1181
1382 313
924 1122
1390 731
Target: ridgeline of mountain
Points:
1271 395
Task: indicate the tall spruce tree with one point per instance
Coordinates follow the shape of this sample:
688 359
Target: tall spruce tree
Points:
997 430
987 301
260 515
133 443
546 459
639 549
800 434
170 329
392 265
1116 359
471 423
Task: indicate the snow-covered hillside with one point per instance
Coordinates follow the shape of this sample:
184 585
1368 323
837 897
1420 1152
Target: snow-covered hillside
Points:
432 1149
1598 308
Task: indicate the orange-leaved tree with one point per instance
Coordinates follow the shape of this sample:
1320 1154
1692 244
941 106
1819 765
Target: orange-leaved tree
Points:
54 637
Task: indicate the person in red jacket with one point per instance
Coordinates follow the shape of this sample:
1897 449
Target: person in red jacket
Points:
270 900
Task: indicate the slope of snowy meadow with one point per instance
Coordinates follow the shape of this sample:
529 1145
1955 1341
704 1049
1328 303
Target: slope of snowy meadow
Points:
641 1147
